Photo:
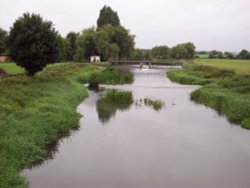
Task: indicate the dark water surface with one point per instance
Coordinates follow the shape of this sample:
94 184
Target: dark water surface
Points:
182 145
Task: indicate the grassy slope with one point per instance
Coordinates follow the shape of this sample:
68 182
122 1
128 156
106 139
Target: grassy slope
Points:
35 112
226 89
12 68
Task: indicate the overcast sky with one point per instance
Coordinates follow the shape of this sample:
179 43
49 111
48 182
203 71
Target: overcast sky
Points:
209 24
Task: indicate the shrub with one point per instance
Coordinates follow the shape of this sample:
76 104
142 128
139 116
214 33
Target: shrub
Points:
33 43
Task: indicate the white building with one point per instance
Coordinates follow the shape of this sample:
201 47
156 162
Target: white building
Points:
95 58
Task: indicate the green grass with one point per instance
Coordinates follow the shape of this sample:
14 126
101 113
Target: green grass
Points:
109 76
156 104
112 101
239 66
12 68
199 74
226 90
35 112
121 97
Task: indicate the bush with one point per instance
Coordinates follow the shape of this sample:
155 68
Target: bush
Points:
33 43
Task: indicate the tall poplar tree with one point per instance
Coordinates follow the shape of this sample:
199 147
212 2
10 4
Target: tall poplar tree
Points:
108 16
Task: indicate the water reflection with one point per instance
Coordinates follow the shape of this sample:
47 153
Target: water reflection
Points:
155 104
52 149
107 109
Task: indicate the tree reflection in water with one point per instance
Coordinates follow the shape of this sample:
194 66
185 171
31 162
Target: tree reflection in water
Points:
107 109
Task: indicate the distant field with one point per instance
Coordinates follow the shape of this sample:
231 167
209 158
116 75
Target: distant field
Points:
239 66
12 68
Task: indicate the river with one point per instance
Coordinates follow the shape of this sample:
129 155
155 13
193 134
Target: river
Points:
181 145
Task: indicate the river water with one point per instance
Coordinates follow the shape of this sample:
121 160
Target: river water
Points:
181 145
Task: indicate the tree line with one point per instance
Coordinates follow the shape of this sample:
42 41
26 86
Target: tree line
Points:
243 54
33 43
180 51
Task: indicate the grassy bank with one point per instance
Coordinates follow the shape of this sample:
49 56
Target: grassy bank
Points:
35 112
225 89
12 68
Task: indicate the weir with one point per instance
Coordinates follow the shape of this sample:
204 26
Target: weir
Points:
141 62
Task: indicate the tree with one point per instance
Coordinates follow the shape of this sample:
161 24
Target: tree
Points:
62 49
72 46
112 39
183 51
190 47
179 52
229 55
33 43
3 37
86 46
124 40
160 52
137 54
215 55
108 16
244 54
104 43
141 53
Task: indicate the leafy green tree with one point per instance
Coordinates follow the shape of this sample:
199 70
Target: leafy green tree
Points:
229 55
124 40
137 54
112 39
32 43
220 55
86 46
215 55
190 47
212 55
160 52
179 52
141 54
72 46
244 54
104 43
62 49
108 16
3 37
183 51
146 54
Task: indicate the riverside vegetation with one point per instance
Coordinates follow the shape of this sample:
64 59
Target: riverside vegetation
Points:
112 101
156 104
36 111
226 86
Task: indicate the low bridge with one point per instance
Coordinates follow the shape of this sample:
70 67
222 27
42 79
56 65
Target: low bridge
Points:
149 62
